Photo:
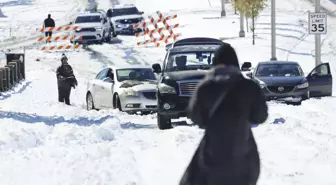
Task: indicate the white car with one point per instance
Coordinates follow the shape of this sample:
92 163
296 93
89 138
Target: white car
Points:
123 18
129 89
94 27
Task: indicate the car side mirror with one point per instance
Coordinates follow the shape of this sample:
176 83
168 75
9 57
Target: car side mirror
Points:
246 66
70 23
108 80
141 12
156 68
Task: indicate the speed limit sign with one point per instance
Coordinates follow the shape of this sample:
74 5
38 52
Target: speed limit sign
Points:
317 23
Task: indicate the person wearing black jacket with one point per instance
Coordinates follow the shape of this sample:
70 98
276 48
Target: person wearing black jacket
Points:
225 104
65 80
48 23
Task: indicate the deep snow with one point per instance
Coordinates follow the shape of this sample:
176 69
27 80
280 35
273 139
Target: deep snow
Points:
44 142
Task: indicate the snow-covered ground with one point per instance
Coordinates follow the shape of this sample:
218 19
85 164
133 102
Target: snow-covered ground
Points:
44 142
24 18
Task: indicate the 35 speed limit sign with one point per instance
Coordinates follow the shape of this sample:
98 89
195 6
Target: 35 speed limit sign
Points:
317 23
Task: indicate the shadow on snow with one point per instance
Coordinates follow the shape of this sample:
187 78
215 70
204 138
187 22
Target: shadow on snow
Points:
54 120
6 95
16 3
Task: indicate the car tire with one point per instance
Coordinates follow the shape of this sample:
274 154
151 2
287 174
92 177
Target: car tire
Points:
163 122
89 102
306 97
117 103
108 39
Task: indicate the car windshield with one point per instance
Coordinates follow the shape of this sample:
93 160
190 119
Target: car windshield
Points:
88 19
189 61
138 74
124 11
279 70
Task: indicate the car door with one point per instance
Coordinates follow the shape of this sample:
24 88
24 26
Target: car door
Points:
99 88
107 89
320 81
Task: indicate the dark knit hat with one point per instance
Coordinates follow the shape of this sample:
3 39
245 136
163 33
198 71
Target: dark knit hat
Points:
226 55
64 59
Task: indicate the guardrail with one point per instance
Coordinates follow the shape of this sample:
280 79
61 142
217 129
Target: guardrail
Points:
13 72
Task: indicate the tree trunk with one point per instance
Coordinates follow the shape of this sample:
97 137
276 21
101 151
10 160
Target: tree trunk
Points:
253 31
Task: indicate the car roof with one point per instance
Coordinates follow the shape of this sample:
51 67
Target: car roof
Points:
193 48
83 14
120 6
278 62
130 67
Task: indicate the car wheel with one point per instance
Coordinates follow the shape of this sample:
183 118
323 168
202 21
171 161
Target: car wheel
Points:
163 122
89 102
108 39
114 34
306 97
118 103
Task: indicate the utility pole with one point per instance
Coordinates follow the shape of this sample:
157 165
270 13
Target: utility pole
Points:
317 37
223 13
273 31
242 32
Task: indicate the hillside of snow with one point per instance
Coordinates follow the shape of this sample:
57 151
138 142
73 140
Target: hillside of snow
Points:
24 18
44 142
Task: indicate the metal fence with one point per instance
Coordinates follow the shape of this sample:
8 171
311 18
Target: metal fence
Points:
13 72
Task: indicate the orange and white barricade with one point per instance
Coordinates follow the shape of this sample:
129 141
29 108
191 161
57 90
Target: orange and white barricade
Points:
157 34
59 38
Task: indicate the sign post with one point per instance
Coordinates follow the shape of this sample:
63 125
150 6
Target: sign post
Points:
317 26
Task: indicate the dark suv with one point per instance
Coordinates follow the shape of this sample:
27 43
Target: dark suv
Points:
185 64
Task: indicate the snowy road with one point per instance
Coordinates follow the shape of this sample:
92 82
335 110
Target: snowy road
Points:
43 142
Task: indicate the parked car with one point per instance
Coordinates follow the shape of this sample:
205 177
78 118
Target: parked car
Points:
129 89
93 27
286 81
184 66
123 18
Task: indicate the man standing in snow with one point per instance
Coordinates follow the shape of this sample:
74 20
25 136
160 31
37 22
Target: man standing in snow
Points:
65 80
224 104
48 23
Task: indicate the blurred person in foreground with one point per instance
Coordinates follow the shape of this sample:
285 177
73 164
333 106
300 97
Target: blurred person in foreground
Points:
65 80
224 104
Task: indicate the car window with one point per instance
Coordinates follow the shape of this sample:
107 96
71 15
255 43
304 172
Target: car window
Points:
189 61
322 70
124 11
102 74
265 70
138 74
88 19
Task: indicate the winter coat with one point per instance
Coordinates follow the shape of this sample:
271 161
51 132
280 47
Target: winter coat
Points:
65 76
227 154
49 22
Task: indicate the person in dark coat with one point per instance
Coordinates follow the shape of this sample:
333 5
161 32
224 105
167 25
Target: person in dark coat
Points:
48 22
225 104
65 80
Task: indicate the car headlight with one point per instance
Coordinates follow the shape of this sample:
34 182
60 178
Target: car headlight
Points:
98 28
130 92
78 29
262 84
166 89
302 86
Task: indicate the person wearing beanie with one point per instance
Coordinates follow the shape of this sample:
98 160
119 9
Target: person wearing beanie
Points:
65 80
224 104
